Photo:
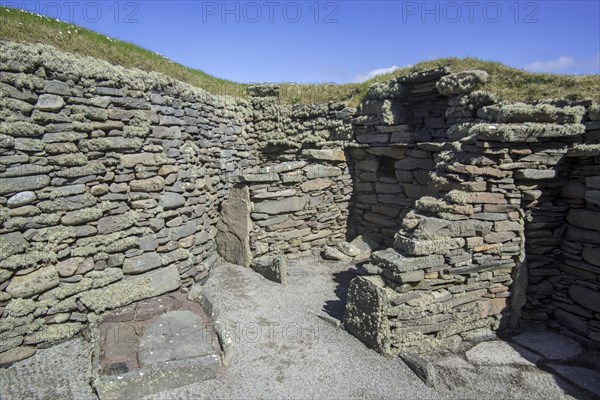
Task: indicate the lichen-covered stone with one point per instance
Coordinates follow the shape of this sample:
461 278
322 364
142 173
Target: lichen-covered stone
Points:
125 292
23 183
36 282
49 102
142 263
462 82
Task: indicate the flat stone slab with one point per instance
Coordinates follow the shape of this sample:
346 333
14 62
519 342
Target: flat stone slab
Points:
497 353
550 345
585 378
155 345
176 335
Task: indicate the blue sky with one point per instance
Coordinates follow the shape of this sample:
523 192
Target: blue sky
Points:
344 41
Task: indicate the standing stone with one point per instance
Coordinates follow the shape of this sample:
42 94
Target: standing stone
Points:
234 227
422 367
272 268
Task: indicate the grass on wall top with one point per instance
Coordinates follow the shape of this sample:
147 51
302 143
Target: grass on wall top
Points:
508 83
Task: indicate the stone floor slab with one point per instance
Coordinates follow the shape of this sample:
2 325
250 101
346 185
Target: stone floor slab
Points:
498 353
585 378
176 335
550 345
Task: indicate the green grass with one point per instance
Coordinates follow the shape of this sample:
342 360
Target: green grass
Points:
508 83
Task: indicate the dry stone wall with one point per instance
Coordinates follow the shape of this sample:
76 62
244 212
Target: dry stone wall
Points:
118 185
114 184
463 255
111 182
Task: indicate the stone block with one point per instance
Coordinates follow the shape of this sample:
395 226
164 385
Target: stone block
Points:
272 268
124 292
142 263
287 205
34 283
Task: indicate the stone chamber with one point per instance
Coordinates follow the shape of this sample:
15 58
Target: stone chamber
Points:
465 213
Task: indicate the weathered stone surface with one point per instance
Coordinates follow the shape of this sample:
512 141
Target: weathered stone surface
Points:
69 266
142 263
422 367
325 154
573 190
586 378
331 253
416 247
591 255
549 344
170 201
55 333
81 216
496 353
70 203
272 268
290 204
322 171
521 112
586 297
593 196
316 184
21 199
381 220
475 198
49 102
348 249
23 183
461 82
585 219
116 223
155 184
12 243
110 143
535 174
93 168
125 292
572 322
173 336
396 262
525 132
147 159
36 282
363 316
366 245
234 227
16 354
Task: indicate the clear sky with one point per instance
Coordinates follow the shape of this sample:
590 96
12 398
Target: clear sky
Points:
343 41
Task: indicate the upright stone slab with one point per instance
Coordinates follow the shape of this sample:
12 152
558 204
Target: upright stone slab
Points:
233 229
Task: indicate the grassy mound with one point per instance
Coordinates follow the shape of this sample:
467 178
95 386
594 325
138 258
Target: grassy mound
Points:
506 82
